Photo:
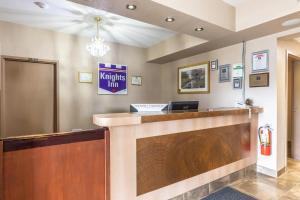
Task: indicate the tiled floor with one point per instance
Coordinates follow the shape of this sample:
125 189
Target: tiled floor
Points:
286 187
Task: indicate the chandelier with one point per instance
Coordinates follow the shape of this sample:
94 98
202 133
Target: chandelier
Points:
97 46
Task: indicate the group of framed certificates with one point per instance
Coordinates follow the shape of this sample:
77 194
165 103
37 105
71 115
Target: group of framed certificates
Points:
260 69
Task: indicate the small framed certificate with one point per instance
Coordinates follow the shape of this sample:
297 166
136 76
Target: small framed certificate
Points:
136 80
238 83
260 61
224 73
237 71
214 65
85 77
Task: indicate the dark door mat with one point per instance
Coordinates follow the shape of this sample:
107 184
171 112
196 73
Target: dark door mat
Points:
228 194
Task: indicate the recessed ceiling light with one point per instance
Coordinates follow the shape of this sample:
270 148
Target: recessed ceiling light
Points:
131 6
291 22
41 5
199 29
170 19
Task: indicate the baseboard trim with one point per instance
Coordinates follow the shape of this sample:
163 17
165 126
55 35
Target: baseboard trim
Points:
282 171
270 172
266 171
296 157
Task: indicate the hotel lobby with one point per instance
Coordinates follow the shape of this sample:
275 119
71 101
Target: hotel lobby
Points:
149 100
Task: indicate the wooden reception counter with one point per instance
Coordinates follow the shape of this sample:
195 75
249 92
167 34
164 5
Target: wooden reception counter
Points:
158 156
69 166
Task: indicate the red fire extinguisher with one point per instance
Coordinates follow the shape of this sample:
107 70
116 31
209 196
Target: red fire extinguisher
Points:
265 138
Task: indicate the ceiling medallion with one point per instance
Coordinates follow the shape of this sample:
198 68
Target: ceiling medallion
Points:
97 46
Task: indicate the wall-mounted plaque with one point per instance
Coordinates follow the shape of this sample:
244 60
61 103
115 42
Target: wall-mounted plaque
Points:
224 73
136 80
238 83
214 65
85 77
259 80
260 61
237 70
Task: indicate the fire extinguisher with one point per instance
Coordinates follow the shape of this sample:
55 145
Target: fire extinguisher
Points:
265 138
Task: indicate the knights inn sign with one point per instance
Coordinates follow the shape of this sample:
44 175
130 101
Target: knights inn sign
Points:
112 79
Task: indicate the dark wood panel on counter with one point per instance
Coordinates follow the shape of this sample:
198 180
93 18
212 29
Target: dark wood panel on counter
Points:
168 116
73 166
24 142
167 159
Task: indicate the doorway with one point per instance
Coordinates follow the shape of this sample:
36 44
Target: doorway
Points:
293 137
28 96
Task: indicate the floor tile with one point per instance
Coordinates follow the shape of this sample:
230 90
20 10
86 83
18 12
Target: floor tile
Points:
259 190
285 187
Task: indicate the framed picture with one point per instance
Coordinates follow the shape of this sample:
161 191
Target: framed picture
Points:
214 65
112 79
194 78
237 83
85 77
224 73
136 80
260 61
237 70
259 80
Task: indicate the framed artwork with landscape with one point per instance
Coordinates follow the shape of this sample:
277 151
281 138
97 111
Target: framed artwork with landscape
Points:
194 78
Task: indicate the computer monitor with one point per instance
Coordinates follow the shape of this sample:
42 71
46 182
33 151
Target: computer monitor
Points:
184 105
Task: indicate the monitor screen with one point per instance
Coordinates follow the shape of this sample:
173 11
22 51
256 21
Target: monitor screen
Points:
184 105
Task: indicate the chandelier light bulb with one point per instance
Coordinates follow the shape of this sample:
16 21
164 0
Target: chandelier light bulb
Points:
97 46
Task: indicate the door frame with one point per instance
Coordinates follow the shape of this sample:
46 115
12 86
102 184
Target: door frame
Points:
5 58
289 55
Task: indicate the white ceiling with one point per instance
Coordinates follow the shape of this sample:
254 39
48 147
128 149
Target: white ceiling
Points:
235 2
69 17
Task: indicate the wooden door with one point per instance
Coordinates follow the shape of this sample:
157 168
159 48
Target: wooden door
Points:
28 97
296 111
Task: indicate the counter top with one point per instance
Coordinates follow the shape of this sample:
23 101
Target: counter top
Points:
47 136
123 119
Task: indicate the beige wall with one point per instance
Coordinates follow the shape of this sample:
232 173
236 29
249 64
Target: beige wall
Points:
223 94
171 45
213 11
78 102
289 46
284 47
255 12
273 98
227 55
265 96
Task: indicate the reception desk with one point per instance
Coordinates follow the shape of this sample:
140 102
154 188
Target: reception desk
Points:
69 166
158 156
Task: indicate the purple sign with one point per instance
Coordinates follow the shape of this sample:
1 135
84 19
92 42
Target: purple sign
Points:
112 79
